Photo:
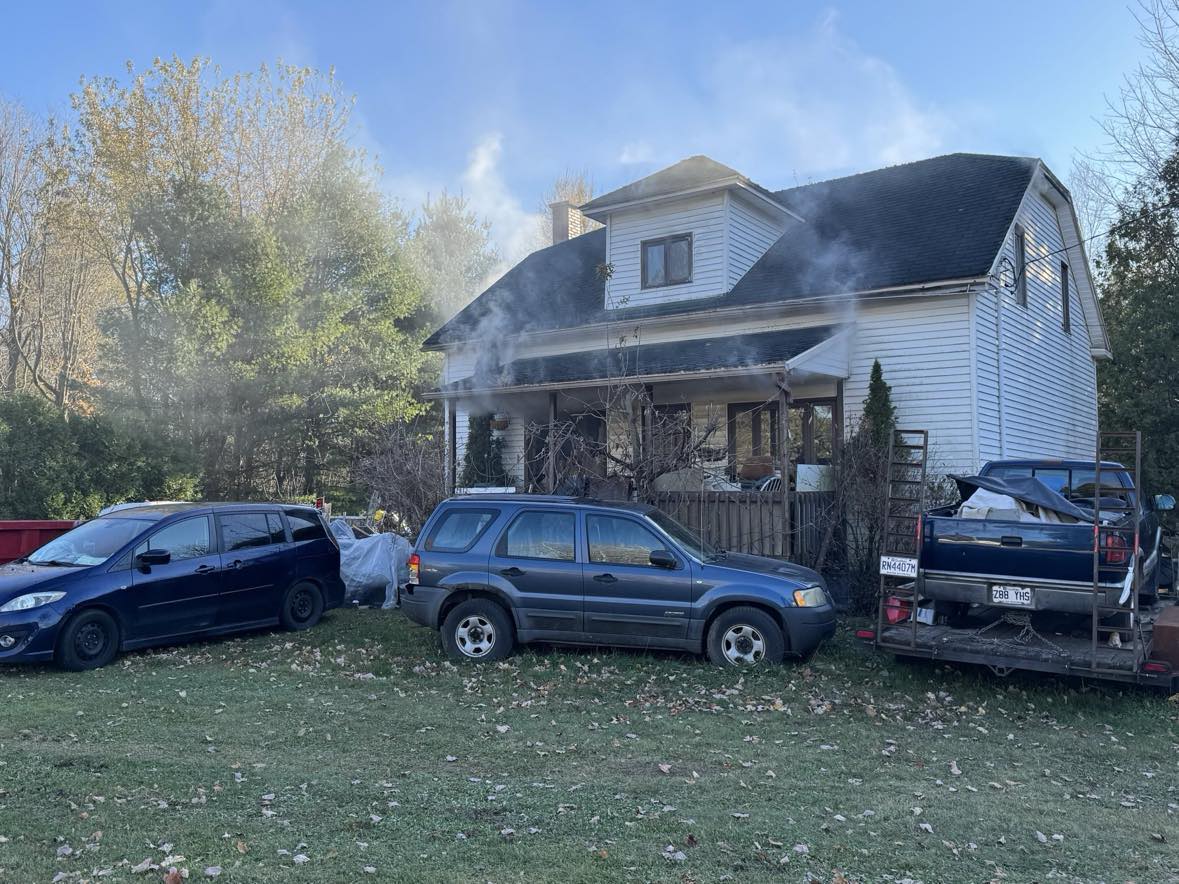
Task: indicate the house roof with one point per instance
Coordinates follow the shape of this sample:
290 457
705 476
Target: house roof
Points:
697 171
703 355
930 221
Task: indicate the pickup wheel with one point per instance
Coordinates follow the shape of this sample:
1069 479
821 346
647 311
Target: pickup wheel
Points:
745 637
478 630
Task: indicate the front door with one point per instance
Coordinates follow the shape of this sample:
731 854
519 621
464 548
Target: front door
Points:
626 597
181 596
258 564
535 559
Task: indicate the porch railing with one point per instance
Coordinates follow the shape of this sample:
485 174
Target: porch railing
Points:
752 521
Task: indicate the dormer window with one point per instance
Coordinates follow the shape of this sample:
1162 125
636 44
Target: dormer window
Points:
667 260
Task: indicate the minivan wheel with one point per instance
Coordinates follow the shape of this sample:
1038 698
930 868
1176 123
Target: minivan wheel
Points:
478 629
745 637
302 606
89 639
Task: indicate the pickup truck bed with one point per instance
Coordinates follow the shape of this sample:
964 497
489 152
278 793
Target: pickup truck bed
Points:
1042 565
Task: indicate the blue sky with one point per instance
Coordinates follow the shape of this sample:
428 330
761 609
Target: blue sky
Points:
498 98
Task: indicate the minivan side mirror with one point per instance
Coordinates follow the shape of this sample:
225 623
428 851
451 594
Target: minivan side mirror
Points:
153 557
1164 502
661 558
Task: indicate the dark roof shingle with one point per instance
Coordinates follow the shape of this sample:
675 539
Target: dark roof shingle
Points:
929 221
646 360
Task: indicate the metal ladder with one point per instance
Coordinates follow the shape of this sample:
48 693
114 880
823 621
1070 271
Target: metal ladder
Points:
1124 449
905 484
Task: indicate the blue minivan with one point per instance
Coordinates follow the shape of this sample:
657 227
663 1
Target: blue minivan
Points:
159 573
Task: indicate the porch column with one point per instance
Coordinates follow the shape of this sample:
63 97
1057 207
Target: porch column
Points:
837 421
550 471
451 471
783 383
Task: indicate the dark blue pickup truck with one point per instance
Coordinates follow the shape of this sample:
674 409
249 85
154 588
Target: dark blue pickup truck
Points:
1013 559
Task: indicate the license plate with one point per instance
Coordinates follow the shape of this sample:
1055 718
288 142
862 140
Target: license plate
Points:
898 566
1014 596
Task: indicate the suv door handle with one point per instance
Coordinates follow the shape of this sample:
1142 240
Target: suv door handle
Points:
512 572
206 569
605 578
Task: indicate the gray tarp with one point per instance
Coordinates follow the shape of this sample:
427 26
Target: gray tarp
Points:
375 563
1028 489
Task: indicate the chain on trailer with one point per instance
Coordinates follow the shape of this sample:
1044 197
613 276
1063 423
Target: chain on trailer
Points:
1112 621
901 544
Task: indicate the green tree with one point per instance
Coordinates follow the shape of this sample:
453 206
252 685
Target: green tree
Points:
1140 288
52 467
483 464
452 253
880 415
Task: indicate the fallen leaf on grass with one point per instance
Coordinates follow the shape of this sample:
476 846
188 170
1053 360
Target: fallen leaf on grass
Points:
666 768
1041 837
925 827
212 871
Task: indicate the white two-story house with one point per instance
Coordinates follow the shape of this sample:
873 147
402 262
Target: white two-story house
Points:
964 275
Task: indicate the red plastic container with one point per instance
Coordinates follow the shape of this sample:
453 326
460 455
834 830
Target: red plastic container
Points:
23 536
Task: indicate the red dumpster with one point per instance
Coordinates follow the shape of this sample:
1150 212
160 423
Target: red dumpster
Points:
24 535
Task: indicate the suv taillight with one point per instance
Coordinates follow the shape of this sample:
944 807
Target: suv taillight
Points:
415 567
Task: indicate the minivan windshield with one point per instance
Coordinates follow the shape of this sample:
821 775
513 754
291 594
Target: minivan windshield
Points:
91 543
692 543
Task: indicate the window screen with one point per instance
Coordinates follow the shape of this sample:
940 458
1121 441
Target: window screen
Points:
667 261
539 535
620 541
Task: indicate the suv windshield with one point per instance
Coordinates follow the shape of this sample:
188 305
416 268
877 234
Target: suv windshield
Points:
91 543
691 542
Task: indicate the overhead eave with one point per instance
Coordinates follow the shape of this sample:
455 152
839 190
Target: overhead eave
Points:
740 183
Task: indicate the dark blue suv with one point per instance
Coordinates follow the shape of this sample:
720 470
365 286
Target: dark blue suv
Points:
493 570
155 574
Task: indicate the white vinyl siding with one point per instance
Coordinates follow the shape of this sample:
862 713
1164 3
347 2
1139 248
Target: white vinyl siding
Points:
703 217
751 233
923 345
1044 378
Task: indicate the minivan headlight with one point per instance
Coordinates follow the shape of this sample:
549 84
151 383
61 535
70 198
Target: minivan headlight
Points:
32 600
811 597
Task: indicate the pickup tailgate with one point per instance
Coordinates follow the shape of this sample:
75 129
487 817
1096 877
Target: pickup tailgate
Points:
1001 549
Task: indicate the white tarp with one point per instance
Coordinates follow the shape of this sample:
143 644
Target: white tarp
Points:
369 564
985 504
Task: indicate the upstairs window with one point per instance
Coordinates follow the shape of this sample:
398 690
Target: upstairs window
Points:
667 261
1021 266
1065 320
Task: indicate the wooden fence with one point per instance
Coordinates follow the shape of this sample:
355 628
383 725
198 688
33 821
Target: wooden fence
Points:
751 521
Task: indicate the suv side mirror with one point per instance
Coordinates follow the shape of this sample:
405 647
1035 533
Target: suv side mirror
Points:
153 557
1164 502
661 558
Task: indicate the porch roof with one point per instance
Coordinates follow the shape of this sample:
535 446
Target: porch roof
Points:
673 360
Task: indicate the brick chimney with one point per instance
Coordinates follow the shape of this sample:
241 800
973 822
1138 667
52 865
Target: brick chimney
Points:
568 221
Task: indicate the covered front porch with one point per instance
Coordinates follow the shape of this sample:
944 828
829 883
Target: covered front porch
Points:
706 430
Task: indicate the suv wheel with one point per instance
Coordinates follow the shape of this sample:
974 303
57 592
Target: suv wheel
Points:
478 629
745 637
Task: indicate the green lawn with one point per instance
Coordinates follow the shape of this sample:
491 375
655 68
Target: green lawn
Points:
355 752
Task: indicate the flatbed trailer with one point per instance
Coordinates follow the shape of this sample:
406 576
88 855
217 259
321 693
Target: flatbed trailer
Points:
1109 644
1010 643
